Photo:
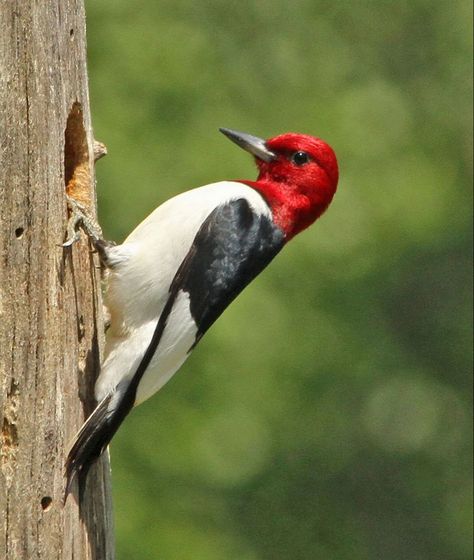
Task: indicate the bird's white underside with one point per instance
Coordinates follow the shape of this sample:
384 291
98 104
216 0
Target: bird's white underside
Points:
137 292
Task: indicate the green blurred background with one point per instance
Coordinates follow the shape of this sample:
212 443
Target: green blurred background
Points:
326 415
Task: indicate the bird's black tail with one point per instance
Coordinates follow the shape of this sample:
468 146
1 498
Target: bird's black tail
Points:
93 438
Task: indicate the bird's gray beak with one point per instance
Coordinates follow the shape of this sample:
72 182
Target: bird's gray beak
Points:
256 146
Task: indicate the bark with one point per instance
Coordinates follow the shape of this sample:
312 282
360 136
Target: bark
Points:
51 329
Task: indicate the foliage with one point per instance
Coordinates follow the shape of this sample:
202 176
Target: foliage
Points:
326 415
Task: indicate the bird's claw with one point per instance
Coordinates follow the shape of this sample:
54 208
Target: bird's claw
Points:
79 217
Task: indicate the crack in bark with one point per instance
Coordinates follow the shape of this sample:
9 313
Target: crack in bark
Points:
9 433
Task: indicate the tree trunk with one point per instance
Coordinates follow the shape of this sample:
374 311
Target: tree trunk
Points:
50 302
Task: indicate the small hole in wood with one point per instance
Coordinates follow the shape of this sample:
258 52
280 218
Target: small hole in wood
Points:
46 503
19 232
71 32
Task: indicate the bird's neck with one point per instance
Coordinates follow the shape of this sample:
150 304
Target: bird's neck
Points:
292 210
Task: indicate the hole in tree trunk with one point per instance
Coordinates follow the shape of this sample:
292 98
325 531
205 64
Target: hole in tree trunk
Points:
76 157
46 503
19 232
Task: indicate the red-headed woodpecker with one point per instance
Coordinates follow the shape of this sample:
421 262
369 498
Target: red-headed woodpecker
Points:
184 264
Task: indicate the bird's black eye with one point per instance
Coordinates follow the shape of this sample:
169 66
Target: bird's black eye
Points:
300 158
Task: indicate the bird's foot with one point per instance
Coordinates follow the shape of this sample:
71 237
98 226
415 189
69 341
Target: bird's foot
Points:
80 217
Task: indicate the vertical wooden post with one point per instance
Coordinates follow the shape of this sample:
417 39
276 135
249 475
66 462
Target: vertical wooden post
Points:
50 303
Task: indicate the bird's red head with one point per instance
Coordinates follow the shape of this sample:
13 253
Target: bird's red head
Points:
298 176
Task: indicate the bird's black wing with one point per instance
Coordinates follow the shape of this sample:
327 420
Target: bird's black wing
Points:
233 245
231 248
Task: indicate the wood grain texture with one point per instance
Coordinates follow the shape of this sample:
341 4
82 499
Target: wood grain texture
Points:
51 329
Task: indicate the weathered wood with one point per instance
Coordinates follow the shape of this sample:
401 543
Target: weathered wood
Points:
50 303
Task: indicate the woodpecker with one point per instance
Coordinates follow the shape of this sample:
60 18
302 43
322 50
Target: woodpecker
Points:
185 263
